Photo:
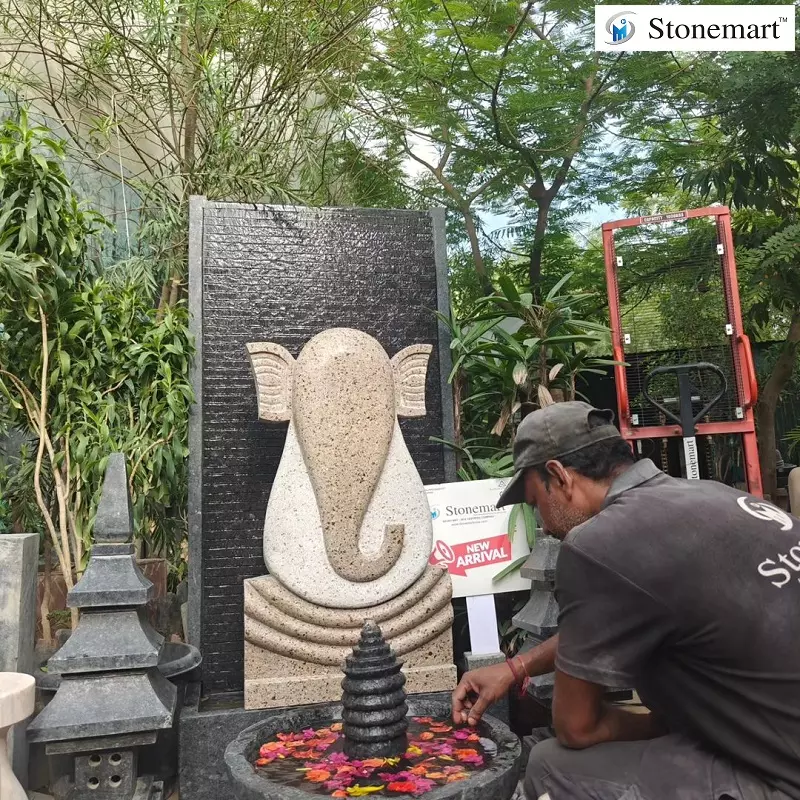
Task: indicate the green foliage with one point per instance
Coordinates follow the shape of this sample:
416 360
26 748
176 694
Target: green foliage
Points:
43 229
504 107
117 373
510 356
18 509
239 101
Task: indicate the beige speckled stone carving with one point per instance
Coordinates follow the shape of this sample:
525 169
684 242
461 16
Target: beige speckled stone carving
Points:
294 650
267 590
273 681
408 622
348 523
17 695
347 534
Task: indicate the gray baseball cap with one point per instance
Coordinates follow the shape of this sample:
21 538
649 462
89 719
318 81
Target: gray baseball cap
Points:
553 432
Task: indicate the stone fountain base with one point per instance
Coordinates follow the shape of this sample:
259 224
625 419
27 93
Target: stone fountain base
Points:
208 725
497 782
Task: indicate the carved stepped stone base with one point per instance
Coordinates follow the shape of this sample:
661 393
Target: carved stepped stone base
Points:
294 650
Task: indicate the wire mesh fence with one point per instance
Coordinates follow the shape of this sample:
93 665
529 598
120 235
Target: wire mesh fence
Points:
674 309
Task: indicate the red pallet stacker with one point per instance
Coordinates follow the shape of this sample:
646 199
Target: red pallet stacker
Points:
676 323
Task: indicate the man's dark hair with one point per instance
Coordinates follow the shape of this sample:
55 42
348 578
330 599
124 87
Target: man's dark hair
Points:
597 461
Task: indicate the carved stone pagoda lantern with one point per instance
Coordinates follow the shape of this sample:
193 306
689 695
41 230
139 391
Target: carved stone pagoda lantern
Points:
112 700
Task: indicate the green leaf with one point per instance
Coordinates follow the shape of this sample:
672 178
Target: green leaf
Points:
509 290
77 328
530 524
512 567
553 293
41 162
107 336
512 521
571 339
32 221
64 361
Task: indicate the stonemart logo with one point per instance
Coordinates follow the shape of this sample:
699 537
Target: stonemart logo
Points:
694 28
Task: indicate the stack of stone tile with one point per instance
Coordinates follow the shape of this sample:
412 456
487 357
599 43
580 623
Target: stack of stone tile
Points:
112 699
539 617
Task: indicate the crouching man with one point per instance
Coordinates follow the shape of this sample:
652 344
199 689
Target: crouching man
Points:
687 591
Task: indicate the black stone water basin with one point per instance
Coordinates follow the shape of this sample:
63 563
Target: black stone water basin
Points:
495 782
177 661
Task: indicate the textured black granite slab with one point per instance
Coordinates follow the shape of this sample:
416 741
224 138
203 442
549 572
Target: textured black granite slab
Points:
283 274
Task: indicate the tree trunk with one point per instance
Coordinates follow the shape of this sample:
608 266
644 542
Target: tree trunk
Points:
475 247
47 631
162 302
767 403
174 291
535 268
765 423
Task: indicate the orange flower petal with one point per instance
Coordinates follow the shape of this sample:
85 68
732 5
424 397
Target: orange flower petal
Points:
426 736
317 775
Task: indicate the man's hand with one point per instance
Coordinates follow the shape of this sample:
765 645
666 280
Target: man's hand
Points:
478 689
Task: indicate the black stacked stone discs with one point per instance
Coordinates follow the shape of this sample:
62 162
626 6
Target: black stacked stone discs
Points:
374 699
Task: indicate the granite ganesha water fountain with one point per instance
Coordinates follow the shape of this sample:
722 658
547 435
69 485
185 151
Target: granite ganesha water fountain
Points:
373 744
347 534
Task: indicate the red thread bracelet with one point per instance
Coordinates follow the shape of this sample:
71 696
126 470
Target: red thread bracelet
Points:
523 689
514 672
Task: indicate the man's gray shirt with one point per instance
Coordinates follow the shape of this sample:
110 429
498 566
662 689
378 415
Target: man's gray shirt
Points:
689 591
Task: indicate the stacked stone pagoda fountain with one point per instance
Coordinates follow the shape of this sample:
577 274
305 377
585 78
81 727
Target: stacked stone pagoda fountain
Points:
374 699
347 534
112 699
300 753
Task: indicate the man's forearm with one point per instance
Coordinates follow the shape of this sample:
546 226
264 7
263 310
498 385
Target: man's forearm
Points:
618 725
541 660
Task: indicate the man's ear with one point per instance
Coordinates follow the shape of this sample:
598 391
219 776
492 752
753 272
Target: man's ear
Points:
558 474
410 367
272 367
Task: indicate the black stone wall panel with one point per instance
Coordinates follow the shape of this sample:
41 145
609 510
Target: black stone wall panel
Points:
283 275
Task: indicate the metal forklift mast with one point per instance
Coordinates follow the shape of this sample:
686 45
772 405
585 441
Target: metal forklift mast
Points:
731 410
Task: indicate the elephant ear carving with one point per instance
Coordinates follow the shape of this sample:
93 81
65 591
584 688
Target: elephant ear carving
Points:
410 367
272 367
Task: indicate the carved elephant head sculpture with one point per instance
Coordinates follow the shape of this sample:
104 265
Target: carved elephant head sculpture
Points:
342 397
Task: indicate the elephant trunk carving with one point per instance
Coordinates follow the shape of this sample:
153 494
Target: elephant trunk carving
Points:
343 396
344 413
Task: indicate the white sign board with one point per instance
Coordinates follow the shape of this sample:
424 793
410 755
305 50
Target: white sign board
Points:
470 537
